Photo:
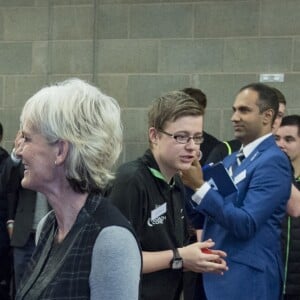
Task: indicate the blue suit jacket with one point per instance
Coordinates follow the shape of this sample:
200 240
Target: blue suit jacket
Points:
247 225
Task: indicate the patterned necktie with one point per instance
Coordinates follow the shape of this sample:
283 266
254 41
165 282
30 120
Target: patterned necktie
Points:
240 157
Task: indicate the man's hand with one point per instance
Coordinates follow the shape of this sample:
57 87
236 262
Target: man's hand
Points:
193 177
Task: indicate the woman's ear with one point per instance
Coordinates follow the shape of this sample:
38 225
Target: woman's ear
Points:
62 151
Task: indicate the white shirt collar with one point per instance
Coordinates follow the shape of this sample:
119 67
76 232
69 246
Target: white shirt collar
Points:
247 150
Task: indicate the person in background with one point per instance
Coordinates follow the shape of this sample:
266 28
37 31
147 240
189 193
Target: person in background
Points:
149 192
288 139
209 141
71 137
228 147
247 223
5 257
193 281
3 153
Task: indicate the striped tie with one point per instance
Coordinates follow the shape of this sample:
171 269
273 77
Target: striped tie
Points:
240 157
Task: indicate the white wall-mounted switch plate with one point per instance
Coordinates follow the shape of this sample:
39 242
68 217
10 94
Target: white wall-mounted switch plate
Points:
278 77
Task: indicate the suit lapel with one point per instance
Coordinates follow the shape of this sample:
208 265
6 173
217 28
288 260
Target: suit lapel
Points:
264 145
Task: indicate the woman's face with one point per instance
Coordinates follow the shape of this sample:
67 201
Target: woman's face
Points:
38 157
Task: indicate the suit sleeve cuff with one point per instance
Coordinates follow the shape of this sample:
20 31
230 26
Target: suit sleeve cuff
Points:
200 193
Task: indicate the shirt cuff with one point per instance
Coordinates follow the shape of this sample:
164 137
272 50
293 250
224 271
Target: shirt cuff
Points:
201 192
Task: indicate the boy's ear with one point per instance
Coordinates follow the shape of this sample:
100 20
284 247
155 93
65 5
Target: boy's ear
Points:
153 135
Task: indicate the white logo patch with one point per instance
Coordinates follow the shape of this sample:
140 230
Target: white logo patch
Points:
158 211
158 221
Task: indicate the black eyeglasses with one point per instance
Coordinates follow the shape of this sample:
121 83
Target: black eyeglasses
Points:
183 138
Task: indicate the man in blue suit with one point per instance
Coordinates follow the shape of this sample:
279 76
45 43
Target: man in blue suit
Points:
247 224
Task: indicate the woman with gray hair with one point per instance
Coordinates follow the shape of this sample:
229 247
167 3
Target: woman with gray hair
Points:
71 137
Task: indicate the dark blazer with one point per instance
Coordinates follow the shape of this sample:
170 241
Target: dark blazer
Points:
3 199
247 225
21 205
222 150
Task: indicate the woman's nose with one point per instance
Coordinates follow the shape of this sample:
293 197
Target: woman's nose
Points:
19 149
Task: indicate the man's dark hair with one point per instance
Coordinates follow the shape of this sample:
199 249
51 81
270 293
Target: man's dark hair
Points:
267 97
291 120
197 94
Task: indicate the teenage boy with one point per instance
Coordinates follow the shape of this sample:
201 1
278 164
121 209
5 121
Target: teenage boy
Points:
150 194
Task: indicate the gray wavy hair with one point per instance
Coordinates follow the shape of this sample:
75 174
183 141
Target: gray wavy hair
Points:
89 120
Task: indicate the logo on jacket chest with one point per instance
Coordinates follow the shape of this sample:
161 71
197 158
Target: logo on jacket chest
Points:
158 215
158 221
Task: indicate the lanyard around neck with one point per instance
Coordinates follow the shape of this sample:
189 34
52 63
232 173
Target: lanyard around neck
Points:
159 175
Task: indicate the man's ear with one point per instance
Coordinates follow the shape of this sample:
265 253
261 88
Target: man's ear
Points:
268 116
62 151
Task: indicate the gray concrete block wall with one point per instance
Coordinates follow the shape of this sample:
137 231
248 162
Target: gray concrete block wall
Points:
72 23
135 50
226 19
112 21
255 54
127 56
161 21
25 23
